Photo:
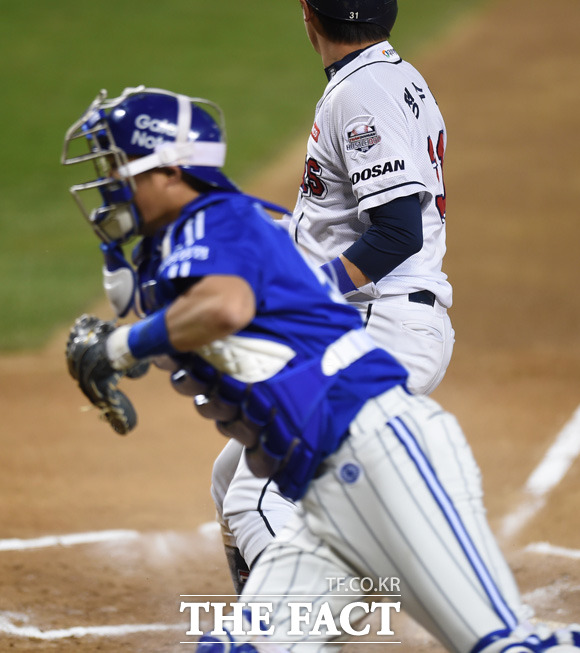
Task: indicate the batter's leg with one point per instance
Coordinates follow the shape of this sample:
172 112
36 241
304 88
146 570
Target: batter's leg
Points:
250 511
223 472
254 510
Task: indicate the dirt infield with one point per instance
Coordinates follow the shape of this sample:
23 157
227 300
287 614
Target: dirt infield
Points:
507 83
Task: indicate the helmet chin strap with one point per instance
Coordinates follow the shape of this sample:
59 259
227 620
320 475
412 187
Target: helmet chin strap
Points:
196 153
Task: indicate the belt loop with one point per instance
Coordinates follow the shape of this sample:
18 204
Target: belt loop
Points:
369 312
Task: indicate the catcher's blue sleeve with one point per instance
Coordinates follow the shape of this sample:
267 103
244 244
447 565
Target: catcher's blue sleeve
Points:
303 409
233 235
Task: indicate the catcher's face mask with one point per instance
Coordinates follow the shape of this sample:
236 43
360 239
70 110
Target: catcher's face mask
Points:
141 130
117 219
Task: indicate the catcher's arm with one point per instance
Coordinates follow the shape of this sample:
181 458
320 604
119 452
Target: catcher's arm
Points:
89 364
98 354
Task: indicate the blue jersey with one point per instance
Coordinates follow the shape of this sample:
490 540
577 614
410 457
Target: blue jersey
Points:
304 366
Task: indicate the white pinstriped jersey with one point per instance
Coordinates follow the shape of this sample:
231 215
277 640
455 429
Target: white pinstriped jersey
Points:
378 135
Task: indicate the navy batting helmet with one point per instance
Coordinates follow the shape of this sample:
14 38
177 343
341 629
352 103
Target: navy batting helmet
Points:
379 12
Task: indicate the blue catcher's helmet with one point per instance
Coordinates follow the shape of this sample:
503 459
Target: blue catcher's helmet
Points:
379 12
143 129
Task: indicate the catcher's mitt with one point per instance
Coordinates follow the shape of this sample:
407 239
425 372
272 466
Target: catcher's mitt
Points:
88 364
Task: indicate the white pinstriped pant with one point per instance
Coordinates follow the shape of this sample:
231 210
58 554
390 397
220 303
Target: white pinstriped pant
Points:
415 512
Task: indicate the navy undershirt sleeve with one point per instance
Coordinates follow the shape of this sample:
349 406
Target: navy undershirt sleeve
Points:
395 234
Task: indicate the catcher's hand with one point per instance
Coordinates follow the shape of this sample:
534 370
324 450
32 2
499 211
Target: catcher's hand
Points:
88 364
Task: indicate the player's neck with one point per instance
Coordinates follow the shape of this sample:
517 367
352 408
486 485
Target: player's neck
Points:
332 52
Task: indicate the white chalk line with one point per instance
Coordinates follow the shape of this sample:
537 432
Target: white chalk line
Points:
207 531
72 539
557 460
544 548
551 470
7 627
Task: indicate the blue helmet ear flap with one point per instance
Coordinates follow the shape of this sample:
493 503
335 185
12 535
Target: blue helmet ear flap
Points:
213 177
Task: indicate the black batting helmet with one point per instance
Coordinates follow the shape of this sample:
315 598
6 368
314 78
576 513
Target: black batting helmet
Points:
379 12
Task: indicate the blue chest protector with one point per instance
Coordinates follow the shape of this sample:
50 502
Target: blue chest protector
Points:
292 419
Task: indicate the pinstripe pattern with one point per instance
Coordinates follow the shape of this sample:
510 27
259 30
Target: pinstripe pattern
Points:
411 545
487 548
403 433
397 516
368 314
282 568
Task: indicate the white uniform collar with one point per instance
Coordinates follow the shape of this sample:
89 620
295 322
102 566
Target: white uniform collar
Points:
372 52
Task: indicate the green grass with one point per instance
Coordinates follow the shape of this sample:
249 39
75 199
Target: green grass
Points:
252 57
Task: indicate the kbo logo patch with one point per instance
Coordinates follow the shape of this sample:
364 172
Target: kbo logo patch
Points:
361 137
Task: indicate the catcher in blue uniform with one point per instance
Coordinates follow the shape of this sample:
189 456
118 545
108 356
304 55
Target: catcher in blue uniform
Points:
269 350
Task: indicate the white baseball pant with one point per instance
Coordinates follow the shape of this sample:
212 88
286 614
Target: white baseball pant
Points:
414 512
419 336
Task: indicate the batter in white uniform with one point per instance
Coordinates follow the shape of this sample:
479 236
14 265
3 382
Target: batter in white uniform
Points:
372 200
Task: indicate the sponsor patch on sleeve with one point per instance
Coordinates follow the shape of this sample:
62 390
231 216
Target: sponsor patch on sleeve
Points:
315 133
